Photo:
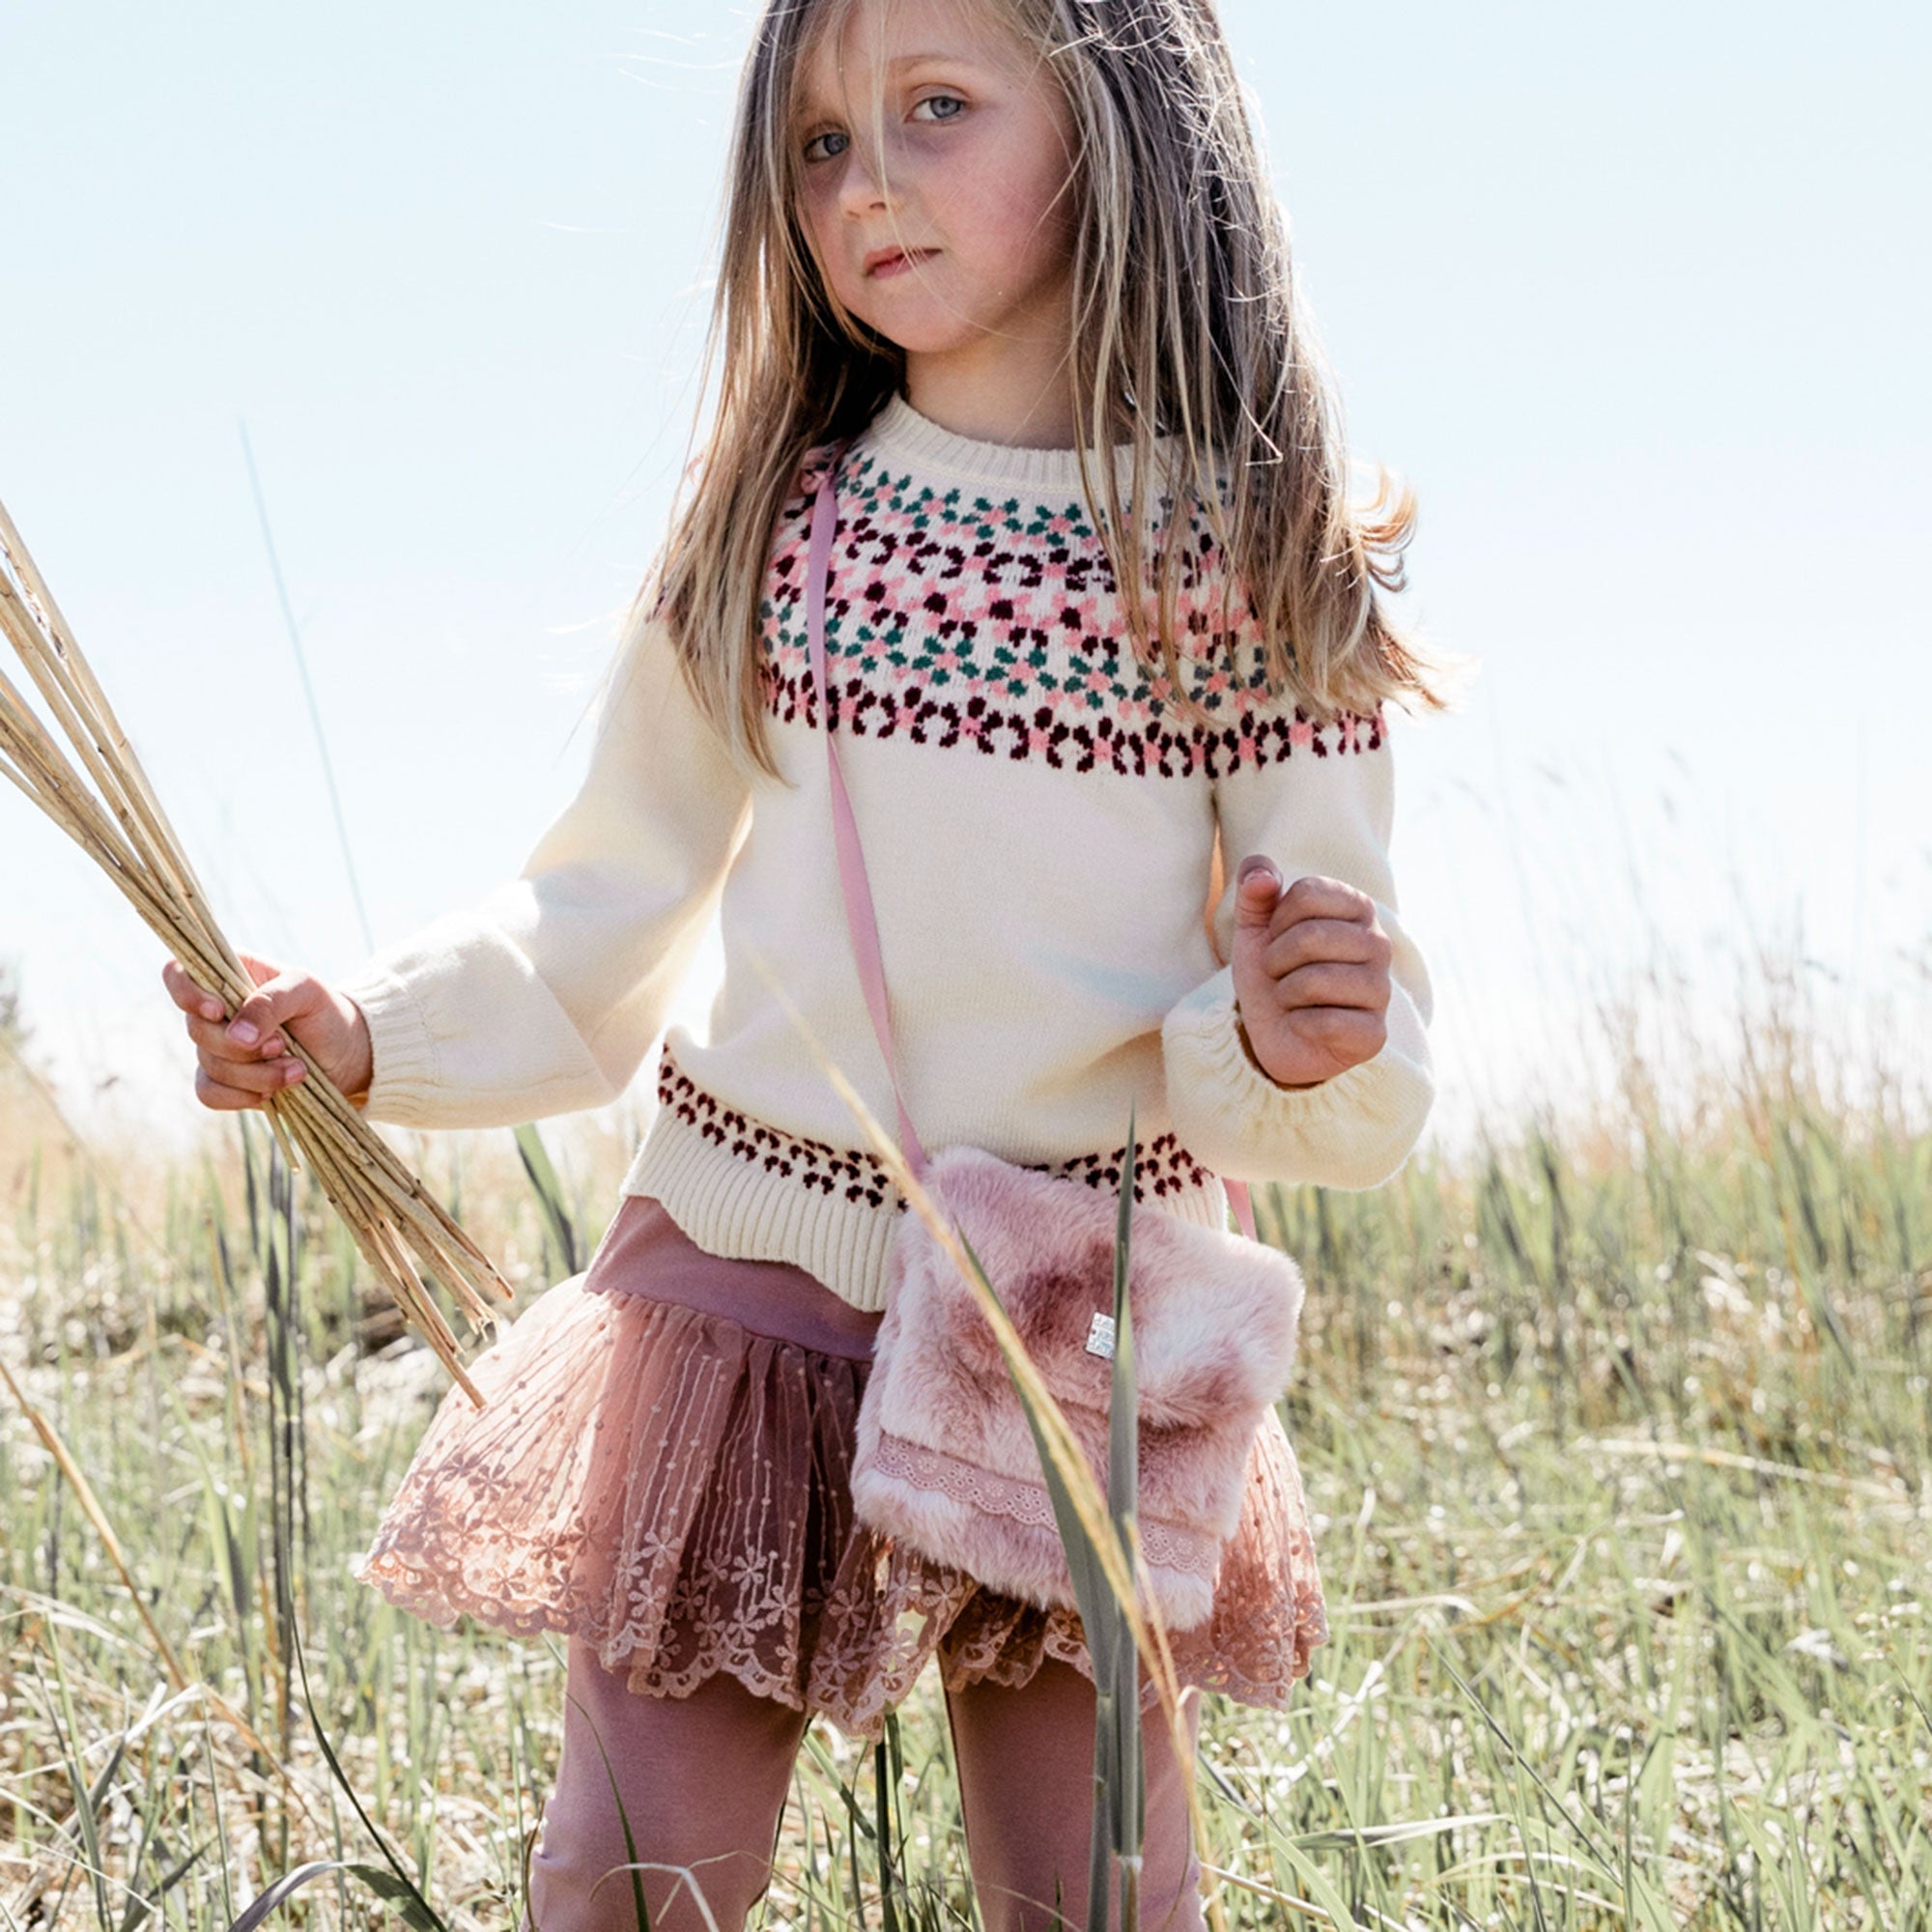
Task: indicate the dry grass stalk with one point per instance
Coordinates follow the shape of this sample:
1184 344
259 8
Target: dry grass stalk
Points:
1123 1569
90 1507
101 799
57 1859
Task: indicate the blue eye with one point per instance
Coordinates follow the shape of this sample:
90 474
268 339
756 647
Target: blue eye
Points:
834 142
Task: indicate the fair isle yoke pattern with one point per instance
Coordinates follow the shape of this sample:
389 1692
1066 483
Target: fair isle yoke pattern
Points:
960 617
972 608
1163 1169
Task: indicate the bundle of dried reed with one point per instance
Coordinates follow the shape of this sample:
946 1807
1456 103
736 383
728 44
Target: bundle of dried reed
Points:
105 804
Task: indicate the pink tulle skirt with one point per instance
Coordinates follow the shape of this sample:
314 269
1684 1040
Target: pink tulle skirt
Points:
663 1469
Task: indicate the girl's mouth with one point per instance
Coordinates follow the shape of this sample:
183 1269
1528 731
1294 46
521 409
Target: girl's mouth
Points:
884 262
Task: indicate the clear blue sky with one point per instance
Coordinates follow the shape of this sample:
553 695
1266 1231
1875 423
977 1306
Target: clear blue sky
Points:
1636 297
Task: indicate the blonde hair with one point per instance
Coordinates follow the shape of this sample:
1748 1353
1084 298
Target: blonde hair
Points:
1188 326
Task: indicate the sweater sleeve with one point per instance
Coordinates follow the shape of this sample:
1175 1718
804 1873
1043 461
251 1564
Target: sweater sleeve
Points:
1324 808
544 998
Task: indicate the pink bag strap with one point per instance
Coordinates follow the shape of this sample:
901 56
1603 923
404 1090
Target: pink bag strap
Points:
860 918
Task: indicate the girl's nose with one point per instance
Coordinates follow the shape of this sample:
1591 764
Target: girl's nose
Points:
863 179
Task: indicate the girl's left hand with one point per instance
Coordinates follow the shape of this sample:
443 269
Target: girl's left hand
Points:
1311 973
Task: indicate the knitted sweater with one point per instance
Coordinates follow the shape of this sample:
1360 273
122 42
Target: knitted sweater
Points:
1039 822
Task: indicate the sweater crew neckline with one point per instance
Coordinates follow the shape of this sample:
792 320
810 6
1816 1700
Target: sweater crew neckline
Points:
899 434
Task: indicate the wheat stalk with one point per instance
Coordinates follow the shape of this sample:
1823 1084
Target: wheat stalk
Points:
94 788
1121 1564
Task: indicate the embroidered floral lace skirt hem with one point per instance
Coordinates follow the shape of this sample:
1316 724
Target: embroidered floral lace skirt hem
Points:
662 1468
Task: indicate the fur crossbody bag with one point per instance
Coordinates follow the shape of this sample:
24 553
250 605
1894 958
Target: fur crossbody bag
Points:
946 1460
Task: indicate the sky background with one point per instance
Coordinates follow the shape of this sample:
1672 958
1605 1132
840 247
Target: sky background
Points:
1636 298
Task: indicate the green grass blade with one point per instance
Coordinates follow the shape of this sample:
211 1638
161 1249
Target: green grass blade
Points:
401 1894
398 1893
881 1798
1124 1429
1123 1481
633 1865
86 1803
420 1913
558 1222
282 1890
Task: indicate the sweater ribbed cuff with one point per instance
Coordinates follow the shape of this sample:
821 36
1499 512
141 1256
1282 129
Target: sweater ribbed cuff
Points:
404 1081
1351 1131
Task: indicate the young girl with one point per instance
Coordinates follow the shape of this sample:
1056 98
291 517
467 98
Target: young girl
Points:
1012 269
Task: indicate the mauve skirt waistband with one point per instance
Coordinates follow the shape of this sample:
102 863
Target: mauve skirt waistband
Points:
645 1252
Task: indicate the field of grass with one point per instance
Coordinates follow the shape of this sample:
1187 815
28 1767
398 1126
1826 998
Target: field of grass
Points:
1616 1432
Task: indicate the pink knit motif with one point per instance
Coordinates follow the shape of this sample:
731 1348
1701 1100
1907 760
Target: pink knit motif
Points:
994 622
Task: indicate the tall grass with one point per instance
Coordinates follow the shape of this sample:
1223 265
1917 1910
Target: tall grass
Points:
1615 1430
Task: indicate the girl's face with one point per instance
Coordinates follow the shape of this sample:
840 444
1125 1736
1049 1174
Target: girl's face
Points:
936 155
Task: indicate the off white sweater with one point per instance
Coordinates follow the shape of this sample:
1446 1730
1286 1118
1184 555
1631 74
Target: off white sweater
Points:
1039 822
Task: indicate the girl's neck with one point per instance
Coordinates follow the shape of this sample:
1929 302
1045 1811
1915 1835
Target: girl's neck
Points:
907 437
1016 394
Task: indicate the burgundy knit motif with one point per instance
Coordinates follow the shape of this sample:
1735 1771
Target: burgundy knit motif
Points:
957 619
1164 1167
847 1173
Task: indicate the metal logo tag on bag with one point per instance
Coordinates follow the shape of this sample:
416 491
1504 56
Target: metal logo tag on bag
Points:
1100 1337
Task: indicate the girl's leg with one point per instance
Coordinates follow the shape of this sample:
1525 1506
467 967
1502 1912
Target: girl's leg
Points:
1026 1784
703 1781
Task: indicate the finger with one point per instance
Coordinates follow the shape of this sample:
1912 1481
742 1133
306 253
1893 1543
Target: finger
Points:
257 1077
227 1098
265 973
1330 982
1310 941
1349 1035
211 1038
288 999
223 1098
1258 884
220 1096
1313 897
186 995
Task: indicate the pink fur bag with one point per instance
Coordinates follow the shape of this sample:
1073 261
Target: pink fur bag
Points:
944 1460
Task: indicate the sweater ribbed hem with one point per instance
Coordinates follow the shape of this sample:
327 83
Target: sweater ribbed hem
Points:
729 1207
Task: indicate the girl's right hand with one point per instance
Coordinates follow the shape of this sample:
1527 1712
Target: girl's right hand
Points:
245 1058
